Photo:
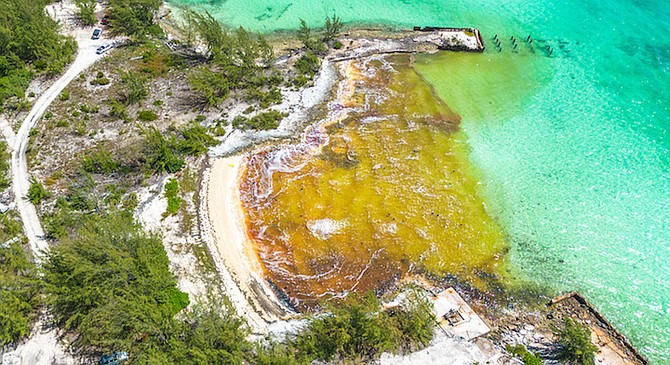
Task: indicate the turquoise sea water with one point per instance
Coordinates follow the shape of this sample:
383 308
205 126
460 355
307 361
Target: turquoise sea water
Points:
573 149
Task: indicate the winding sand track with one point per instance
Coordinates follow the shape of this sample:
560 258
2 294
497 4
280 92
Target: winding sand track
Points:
43 347
86 56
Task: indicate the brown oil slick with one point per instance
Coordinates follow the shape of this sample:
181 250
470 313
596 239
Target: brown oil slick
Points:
385 189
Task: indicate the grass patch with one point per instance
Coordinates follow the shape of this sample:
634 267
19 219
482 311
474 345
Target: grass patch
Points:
36 192
526 356
147 115
173 199
204 258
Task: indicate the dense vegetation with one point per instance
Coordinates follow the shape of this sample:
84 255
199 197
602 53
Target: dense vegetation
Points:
19 285
109 282
260 121
575 343
4 165
238 63
29 44
357 328
134 18
86 11
173 199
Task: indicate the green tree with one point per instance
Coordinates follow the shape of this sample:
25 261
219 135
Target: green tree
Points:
19 289
134 17
239 61
310 43
86 11
331 28
29 44
575 343
526 356
110 283
212 86
217 41
305 34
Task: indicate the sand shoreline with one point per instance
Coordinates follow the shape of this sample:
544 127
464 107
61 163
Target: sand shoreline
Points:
223 219
224 231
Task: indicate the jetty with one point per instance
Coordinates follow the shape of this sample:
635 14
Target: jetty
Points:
370 42
614 346
456 39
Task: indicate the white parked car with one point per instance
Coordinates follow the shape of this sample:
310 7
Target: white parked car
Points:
105 48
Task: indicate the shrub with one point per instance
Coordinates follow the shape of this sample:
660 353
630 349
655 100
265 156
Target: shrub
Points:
62 123
65 95
85 108
308 65
135 88
575 343
160 153
300 80
147 115
118 110
173 199
338 45
265 120
36 192
214 87
100 161
195 140
100 81
526 356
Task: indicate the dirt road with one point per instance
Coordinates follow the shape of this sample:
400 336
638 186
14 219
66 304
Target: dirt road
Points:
86 56
43 348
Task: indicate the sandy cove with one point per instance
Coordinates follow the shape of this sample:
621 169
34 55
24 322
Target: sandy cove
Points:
224 229
225 232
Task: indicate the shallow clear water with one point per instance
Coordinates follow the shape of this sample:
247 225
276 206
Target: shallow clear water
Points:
573 149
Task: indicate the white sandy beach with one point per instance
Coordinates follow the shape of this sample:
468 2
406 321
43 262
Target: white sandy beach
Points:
231 248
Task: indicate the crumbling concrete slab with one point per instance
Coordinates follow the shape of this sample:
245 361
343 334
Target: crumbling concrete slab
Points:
456 317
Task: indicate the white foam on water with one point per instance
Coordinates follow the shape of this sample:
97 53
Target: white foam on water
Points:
325 228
